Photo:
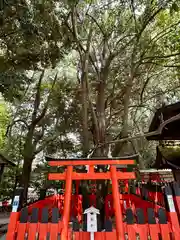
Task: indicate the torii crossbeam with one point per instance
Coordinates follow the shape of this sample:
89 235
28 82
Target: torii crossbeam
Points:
112 175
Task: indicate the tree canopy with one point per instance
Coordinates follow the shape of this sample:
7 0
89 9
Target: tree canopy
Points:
79 76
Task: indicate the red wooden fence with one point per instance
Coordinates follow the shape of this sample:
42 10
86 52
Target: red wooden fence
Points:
151 221
135 224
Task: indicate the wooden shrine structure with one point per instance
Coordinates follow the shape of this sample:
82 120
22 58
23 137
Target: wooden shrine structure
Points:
168 150
62 216
133 210
4 162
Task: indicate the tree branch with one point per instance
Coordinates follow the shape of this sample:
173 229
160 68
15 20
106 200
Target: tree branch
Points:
166 66
78 42
145 84
110 106
37 97
163 32
39 136
133 12
38 118
100 28
8 34
164 92
149 20
49 139
9 128
148 134
165 56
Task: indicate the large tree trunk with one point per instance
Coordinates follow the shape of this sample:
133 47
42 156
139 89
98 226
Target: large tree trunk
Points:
100 138
26 175
85 133
27 164
100 108
123 147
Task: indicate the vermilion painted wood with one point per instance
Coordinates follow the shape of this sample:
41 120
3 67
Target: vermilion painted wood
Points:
91 176
21 231
70 234
13 224
43 230
69 175
131 231
60 226
142 229
105 235
100 236
53 231
174 224
154 231
116 203
82 236
177 204
97 236
91 168
49 202
165 231
67 202
91 162
131 201
33 229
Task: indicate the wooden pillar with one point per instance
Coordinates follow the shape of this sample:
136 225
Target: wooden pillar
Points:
176 175
67 203
116 202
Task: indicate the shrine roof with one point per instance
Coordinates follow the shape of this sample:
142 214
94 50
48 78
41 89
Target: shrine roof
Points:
170 131
5 161
133 157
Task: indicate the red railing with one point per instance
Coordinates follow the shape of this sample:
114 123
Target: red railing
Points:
134 224
133 215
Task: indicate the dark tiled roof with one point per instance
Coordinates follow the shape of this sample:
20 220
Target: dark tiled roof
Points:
4 160
170 132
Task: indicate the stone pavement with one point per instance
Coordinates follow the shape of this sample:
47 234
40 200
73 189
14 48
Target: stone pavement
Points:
4 220
3 237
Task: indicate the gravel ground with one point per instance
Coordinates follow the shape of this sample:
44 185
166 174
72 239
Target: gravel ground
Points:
3 237
4 220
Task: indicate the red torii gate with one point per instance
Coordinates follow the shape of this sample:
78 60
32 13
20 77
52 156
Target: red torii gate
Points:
112 175
24 225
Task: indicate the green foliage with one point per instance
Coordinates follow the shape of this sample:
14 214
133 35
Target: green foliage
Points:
13 84
7 186
174 7
132 67
12 149
30 34
4 120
